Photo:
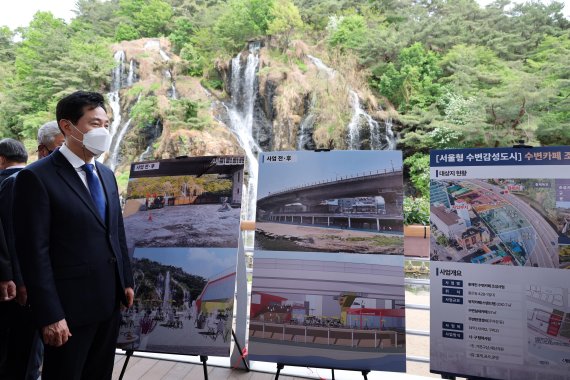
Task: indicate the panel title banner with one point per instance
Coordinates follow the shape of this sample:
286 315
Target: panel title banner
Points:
552 155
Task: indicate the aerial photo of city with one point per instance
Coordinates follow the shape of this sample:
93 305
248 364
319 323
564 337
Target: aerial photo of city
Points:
496 221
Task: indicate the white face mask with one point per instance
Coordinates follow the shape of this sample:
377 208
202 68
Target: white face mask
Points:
97 140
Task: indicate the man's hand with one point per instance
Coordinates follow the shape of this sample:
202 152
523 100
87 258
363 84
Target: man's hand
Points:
56 334
21 295
130 295
7 290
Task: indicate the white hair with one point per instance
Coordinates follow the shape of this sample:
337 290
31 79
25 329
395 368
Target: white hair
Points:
48 132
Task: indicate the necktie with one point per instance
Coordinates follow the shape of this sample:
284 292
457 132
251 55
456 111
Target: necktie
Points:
95 189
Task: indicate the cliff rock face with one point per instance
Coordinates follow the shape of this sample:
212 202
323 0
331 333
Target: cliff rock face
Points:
296 102
159 133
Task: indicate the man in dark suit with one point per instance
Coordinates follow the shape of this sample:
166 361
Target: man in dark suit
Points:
22 346
16 325
71 243
13 157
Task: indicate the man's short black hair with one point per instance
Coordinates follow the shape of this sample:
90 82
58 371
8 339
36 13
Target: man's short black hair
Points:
13 150
73 106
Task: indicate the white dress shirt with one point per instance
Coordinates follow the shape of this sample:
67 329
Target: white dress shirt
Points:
77 163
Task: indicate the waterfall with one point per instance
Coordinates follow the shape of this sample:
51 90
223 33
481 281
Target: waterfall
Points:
131 75
119 80
306 127
208 93
167 294
353 125
172 91
378 139
157 130
114 99
168 74
321 66
240 112
119 70
146 154
114 159
114 102
113 96
164 56
375 133
390 136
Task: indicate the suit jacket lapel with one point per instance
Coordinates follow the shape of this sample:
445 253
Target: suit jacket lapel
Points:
71 178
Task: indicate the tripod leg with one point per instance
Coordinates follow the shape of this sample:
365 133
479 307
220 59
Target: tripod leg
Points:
279 368
129 354
204 359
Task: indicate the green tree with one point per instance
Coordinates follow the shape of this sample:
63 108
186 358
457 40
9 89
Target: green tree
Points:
184 113
350 33
549 62
150 18
412 82
6 44
180 36
126 32
243 20
285 19
51 61
418 168
145 111
96 17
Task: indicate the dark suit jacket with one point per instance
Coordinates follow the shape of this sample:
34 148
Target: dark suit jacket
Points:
7 217
75 265
7 173
5 262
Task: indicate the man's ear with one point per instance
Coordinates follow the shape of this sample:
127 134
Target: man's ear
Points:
65 126
2 162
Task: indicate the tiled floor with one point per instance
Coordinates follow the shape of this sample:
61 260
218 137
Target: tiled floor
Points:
152 369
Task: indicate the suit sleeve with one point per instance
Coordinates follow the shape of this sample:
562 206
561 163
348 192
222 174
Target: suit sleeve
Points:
32 224
5 264
127 271
7 216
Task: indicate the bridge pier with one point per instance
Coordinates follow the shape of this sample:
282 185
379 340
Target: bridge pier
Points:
349 226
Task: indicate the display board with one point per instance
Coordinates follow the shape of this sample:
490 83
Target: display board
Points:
328 278
499 249
182 223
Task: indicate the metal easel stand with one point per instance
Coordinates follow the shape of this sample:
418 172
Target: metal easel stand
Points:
204 359
129 353
280 366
